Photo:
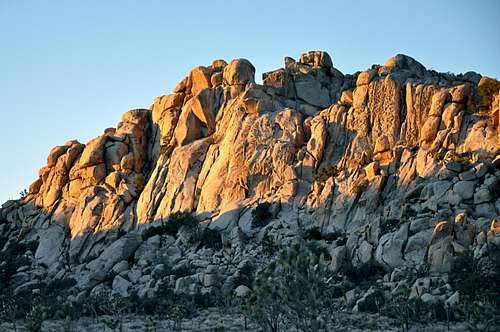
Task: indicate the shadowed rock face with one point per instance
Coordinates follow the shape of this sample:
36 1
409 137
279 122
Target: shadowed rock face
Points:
220 144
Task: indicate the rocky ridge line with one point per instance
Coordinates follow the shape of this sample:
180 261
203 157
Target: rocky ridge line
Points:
412 173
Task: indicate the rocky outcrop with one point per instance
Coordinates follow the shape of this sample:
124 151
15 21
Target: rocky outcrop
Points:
396 159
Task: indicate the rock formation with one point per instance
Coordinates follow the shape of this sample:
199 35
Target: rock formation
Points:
415 154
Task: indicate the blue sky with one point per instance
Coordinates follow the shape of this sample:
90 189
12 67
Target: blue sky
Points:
69 69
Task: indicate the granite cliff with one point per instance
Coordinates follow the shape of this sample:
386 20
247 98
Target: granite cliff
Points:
396 166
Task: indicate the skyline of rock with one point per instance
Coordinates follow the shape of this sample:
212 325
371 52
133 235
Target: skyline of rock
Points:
400 162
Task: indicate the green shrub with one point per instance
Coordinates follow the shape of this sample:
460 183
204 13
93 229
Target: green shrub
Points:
319 250
341 288
182 270
13 258
324 173
246 275
58 285
139 183
372 302
268 246
315 233
19 248
203 301
153 230
465 159
23 193
261 215
472 282
439 155
365 273
172 225
165 146
389 225
36 316
209 238
486 89
178 219
414 310
360 186
174 306
293 289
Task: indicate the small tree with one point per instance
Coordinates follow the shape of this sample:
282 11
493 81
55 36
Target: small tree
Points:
23 193
325 172
261 215
8 309
294 289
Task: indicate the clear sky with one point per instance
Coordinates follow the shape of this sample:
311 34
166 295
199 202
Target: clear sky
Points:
69 69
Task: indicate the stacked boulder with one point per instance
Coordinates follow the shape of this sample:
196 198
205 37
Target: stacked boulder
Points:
394 158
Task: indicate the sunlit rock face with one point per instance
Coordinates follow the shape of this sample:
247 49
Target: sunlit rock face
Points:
388 156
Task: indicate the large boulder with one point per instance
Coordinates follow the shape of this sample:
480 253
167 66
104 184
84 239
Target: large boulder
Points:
239 72
316 59
405 62
51 245
390 249
200 78
119 250
93 153
204 106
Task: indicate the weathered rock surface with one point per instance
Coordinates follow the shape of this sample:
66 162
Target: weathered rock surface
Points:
394 159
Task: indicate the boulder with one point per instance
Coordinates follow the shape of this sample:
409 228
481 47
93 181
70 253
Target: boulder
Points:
159 271
93 154
55 153
382 144
119 250
405 62
51 245
221 144
465 189
365 77
216 79
390 249
439 99
440 253
188 127
121 286
281 80
460 93
200 78
372 170
338 255
416 247
420 287
346 98
453 300
430 128
450 112
316 59
148 250
242 291
211 280
114 153
482 195
239 72
186 285
203 105
120 267
30 285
